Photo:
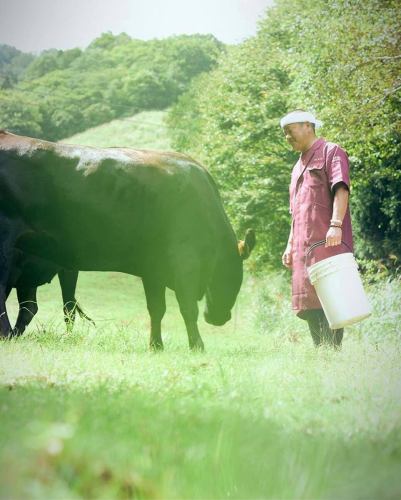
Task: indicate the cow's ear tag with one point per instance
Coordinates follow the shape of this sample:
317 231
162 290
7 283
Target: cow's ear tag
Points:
241 248
246 246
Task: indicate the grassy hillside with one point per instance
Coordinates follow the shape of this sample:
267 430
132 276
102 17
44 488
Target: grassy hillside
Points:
144 130
61 93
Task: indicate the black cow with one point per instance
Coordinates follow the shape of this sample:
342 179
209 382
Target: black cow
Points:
156 215
27 273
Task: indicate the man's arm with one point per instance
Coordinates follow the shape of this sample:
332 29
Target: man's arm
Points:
340 204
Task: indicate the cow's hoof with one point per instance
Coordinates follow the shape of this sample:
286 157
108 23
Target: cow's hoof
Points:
197 347
17 331
12 334
156 346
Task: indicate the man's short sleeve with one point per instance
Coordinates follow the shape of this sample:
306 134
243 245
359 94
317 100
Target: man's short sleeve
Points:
337 167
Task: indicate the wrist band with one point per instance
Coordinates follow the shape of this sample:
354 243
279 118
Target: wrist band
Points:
337 222
333 225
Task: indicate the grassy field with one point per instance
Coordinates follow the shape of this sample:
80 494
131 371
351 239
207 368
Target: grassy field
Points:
261 414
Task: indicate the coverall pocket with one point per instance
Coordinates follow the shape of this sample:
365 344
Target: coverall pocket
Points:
317 184
319 222
316 175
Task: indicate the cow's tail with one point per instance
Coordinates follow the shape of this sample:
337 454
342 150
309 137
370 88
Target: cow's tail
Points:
82 314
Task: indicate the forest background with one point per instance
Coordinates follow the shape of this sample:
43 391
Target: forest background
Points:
340 59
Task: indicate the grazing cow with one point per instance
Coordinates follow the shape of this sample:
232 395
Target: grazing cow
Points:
27 273
156 215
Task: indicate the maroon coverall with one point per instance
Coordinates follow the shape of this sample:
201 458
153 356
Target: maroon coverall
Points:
313 182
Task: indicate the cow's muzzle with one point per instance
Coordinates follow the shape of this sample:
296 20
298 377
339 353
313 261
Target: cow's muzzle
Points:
216 320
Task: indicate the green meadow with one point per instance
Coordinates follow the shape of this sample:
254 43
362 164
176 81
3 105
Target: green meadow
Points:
261 414
145 130
92 413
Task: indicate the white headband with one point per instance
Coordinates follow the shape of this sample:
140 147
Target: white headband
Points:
300 117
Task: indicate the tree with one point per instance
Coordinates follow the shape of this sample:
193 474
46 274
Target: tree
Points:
19 114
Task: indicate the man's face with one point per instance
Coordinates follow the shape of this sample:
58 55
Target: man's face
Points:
298 135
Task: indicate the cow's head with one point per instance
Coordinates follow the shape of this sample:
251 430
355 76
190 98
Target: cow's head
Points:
226 282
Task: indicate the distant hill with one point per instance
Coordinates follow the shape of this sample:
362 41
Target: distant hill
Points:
60 93
145 130
13 64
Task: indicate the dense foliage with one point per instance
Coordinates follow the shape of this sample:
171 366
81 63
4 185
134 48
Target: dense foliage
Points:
61 93
340 59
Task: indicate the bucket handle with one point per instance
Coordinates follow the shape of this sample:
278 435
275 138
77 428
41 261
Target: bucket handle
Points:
318 244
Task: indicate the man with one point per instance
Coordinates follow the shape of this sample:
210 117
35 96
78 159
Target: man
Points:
319 193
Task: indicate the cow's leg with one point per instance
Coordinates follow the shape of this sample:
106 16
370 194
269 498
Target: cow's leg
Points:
8 290
187 292
27 309
5 327
68 283
156 301
6 247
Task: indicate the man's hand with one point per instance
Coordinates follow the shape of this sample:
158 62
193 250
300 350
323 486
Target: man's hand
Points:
287 256
333 237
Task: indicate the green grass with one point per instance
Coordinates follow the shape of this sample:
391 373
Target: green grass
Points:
145 130
261 414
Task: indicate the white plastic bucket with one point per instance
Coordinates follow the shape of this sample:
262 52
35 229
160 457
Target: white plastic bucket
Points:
340 290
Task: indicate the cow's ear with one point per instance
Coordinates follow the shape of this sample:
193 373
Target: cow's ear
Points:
246 246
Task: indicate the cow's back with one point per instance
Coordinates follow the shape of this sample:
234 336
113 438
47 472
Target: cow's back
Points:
111 208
